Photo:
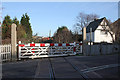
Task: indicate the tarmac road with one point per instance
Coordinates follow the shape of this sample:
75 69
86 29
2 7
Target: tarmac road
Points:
71 67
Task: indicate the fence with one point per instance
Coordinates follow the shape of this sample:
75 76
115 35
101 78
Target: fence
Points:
101 49
35 50
5 52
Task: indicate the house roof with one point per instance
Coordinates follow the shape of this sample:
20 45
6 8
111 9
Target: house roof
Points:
94 25
116 26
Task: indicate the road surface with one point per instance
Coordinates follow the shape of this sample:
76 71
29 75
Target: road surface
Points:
59 68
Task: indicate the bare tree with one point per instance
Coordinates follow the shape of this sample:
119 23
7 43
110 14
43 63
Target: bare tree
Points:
84 19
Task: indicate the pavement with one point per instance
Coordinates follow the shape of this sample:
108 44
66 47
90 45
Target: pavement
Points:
59 68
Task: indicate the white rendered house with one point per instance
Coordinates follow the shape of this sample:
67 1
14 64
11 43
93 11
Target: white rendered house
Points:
99 31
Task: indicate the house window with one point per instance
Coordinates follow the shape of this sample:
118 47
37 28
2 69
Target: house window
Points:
103 32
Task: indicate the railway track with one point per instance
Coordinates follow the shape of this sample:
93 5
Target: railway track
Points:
54 72
85 77
51 71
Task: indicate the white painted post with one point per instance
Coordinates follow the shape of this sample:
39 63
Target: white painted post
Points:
19 50
13 41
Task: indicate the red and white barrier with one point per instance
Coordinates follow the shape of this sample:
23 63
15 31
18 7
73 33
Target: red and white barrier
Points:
45 44
35 50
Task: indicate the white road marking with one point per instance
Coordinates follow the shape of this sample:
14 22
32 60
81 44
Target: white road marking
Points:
96 75
99 68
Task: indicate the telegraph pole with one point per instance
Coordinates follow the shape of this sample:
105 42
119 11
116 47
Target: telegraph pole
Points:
90 39
90 35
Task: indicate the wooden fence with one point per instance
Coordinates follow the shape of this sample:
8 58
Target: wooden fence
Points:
100 49
5 52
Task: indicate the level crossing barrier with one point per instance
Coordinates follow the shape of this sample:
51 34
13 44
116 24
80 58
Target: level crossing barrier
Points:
36 50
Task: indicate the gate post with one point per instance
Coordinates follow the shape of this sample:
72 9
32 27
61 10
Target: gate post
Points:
13 42
84 41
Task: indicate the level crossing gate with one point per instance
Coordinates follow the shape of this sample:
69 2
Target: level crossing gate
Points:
36 50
